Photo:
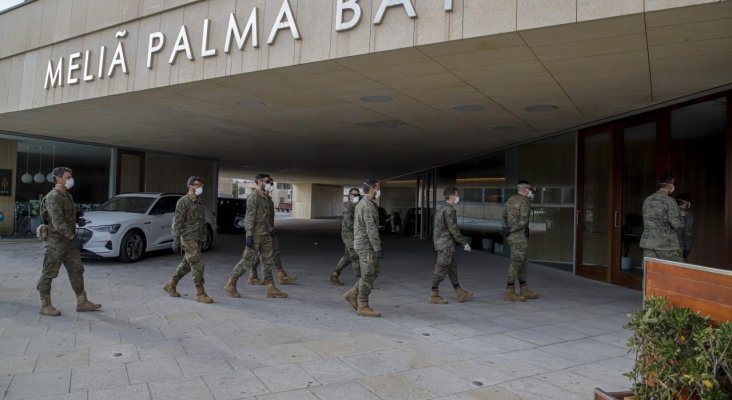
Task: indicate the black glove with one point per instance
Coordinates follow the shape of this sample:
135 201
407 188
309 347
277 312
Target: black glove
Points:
250 242
176 246
380 254
505 231
274 233
526 231
686 254
81 222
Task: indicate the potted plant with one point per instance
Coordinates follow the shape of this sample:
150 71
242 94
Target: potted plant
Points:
680 354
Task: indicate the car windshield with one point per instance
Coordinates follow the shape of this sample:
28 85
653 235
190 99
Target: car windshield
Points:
127 204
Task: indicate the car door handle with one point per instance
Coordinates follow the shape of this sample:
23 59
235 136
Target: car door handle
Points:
147 223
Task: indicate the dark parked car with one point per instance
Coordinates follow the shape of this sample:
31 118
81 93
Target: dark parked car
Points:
230 215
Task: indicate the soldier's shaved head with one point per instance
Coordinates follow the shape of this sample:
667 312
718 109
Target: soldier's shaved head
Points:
449 191
369 184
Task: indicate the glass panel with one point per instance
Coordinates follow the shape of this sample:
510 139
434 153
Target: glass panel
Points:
597 168
639 176
698 164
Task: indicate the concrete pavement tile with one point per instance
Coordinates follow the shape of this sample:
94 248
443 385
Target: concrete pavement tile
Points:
148 321
342 346
103 376
331 370
70 396
18 364
392 360
293 353
533 359
487 393
140 335
68 326
160 349
618 338
244 358
118 353
303 394
205 345
8 310
42 384
96 339
431 334
437 381
235 385
571 382
345 390
183 318
535 335
4 383
13 347
536 389
285 377
178 331
182 389
203 364
52 342
158 369
459 330
584 350
49 361
134 392
395 386
608 374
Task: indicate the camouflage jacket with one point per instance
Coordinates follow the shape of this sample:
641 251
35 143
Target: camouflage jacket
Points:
516 216
446 233
366 226
59 213
661 222
686 234
349 210
189 223
259 219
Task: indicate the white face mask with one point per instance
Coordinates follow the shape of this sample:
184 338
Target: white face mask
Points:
199 191
378 193
69 183
269 188
457 199
355 199
531 194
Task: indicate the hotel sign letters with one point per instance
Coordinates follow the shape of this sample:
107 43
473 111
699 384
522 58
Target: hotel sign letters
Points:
87 66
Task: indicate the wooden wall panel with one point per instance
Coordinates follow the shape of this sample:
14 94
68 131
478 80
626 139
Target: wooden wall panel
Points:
8 160
702 289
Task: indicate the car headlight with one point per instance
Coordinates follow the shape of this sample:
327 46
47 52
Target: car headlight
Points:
105 228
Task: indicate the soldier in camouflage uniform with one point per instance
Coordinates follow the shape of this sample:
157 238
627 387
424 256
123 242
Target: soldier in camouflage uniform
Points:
367 244
686 234
446 236
515 221
349 255
258 223
58 231
661 223
189 231
281 274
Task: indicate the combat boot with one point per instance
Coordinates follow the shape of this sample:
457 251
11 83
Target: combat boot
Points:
463 295
47 308
230 288
273 292
170 285
334 279
511 296
83 304
435 297
201 295
529 294
351 297
284 278
365 311
254 278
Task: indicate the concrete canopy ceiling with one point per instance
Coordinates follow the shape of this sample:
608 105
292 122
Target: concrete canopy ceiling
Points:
310 122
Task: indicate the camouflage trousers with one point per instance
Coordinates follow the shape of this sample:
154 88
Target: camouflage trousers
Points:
369 272
59 251
669 255
519 260
445 266
191 262
349 257
263 248
276 260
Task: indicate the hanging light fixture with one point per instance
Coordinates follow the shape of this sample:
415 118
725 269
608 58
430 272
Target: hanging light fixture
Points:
50 178
39 177
27 178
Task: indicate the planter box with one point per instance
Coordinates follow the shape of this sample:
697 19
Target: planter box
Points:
603 395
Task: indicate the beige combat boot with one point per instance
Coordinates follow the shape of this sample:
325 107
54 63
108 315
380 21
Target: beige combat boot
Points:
230 288
273 292
365 311
201 295
83 304
334 279
529 294
254 278
351 297
170 285
463 295
284 278
435 297
47 308
511 296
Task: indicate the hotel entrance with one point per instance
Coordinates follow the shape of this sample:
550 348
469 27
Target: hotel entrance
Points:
618 166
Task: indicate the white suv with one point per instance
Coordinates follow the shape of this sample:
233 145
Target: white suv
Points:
131 224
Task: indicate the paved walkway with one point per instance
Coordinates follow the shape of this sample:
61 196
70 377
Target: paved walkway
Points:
145 345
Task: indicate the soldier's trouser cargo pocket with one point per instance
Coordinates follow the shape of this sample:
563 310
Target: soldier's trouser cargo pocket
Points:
42 232
369 272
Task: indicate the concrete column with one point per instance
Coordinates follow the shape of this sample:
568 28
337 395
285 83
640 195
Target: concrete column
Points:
301 200
312 201
8 161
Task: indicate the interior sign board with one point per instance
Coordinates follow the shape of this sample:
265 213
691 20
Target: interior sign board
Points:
6 182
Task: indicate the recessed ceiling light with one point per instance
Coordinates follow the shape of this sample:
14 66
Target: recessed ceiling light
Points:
251 104
377 99
541 108
469 107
